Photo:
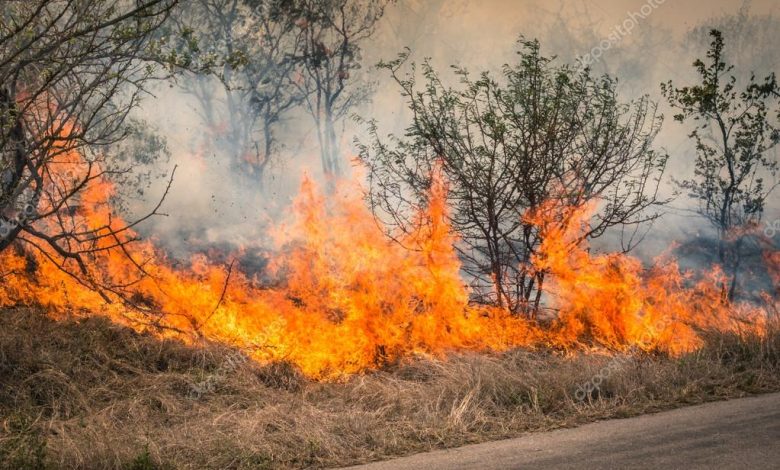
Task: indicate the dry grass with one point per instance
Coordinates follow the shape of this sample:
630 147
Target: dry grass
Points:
89 394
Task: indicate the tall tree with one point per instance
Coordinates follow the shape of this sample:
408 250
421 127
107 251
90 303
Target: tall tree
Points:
541 132
735 133
242 56
330 56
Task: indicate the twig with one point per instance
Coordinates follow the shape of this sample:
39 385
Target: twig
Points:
221 297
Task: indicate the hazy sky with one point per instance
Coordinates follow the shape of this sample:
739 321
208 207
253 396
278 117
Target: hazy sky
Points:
479 34
479 30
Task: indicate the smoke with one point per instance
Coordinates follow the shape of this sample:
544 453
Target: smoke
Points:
210 204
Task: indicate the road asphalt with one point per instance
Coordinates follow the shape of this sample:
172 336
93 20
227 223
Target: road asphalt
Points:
737 434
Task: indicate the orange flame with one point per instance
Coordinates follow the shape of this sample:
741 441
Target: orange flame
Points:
613 300
345 299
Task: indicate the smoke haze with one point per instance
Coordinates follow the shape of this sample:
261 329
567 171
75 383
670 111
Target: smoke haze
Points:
479 35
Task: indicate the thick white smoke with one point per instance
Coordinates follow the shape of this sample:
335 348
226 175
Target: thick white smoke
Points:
640 42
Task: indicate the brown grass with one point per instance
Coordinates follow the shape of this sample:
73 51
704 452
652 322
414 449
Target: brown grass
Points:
90 394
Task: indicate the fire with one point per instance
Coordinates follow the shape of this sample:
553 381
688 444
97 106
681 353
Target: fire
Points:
772 262
613 300
341 298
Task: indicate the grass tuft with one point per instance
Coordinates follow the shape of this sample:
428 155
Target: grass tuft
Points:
89 394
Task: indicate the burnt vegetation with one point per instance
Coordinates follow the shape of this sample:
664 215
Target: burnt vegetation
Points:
459 193
736 168
540 132
71 72
90 394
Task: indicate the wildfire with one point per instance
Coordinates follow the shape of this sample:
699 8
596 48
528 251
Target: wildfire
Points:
613 300
344 298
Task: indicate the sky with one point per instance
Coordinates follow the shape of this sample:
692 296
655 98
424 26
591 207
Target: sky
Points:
481 35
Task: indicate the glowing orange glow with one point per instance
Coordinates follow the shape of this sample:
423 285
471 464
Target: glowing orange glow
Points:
612 300
344 299
772 262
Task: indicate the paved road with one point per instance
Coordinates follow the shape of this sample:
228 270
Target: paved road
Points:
740 434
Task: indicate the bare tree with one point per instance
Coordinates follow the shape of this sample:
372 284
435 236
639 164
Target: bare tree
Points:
735 169
71 71
249 47
543 132
330 59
